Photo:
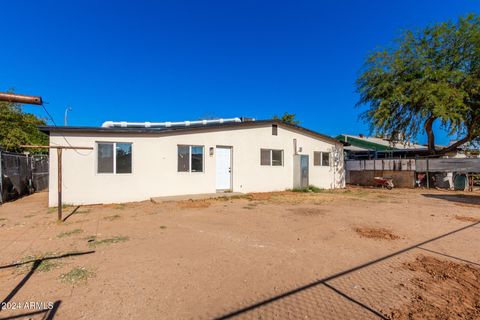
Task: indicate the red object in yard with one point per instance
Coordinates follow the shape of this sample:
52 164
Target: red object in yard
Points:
384 182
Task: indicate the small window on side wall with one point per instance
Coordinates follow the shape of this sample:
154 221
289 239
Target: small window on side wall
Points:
325 159
190 158
105 158
274 130
321 159
317 158
277 157
265 157
269 157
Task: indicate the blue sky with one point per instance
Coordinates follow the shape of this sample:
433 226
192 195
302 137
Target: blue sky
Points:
184 60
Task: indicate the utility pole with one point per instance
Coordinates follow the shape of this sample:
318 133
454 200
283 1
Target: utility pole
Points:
66 115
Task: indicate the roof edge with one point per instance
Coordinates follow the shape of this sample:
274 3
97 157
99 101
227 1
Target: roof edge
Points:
87 129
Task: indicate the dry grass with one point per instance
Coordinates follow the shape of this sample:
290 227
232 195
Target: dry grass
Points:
44 265
93 242
194 204
77 275
69 233
466 219
308 211
112 218
376 233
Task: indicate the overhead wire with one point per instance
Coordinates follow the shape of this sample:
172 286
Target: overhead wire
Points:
65 138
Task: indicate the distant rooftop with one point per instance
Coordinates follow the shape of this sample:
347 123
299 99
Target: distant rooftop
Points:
360 142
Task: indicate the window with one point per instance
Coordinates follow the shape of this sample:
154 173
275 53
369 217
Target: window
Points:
123 163
321 158
116 162
274 130
183 158
317 158
265 157
269 157
325 159
277 157
190 158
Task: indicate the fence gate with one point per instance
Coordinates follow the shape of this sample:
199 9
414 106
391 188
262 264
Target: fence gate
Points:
39 164
22 174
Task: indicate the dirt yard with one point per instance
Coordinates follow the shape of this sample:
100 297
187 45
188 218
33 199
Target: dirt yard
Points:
275 255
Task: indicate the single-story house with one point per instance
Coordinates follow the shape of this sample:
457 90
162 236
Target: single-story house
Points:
137 161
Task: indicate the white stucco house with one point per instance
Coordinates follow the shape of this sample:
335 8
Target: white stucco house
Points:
137 161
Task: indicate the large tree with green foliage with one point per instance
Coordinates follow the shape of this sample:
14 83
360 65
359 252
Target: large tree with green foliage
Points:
18 127
289 118
431 75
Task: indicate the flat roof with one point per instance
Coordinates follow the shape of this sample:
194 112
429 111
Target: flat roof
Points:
181 129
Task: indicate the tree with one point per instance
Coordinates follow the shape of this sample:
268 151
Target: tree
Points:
287 118
430 75
18 127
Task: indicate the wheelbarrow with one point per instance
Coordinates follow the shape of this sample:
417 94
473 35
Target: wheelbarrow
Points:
384 182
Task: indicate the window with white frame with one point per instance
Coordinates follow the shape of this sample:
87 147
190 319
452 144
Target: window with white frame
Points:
271 157
190 158
114 157
321 159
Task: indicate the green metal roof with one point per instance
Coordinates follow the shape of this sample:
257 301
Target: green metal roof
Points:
364 144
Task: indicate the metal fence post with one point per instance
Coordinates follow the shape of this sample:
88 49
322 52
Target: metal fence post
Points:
1 178
428 177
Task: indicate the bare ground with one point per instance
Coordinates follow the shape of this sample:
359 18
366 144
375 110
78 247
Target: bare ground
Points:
205 258
442 290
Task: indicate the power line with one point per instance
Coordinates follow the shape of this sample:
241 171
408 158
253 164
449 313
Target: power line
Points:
65 138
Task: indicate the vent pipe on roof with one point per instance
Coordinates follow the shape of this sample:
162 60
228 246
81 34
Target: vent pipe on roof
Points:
123 124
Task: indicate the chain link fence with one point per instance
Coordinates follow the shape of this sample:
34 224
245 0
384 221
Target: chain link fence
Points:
22 174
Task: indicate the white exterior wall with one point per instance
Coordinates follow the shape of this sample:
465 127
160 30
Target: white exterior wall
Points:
154 165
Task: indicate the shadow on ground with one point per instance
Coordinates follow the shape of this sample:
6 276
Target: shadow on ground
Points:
48 313
459 198
315 294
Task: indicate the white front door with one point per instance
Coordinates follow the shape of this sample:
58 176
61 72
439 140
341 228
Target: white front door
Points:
224 168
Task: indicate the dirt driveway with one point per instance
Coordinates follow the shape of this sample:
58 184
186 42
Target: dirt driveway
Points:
262 256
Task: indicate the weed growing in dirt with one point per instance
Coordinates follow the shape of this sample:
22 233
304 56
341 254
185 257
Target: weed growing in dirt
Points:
29 216
120 206
236 197
309 189
194 204
376 233
77 275
45 265
93 242
54 209
111 218
250 206
69 233
163 227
